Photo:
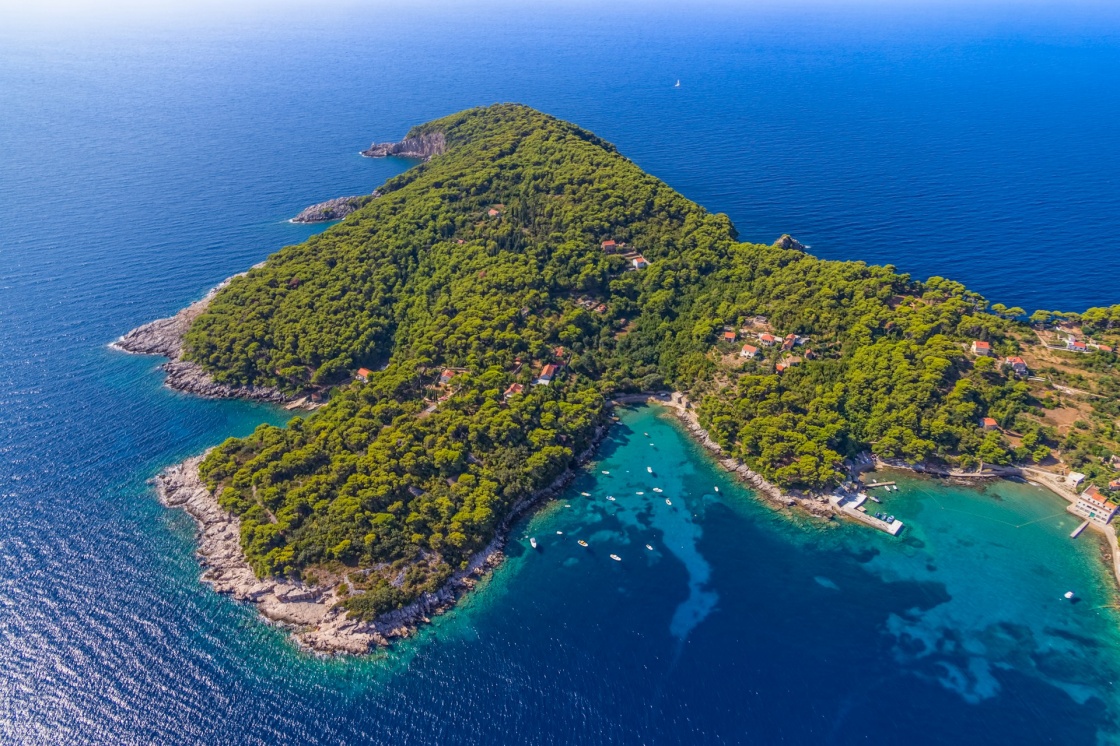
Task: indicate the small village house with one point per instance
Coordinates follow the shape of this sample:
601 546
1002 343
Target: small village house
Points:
749 352
1076 345
981 348
639 262
1074 478
767 339
363 374
789 341
493 212
609 245
730 336
1092 504
1018 366
989 423
547 374
515 388
445 377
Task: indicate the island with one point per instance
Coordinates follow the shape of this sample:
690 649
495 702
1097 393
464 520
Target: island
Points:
465 335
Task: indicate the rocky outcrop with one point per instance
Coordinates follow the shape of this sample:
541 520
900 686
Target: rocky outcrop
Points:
333 209
789 242
422 146
312 613
165 337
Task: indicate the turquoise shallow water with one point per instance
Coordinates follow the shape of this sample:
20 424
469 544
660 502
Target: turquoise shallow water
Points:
145 163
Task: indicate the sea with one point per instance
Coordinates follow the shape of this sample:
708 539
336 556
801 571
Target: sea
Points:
151 151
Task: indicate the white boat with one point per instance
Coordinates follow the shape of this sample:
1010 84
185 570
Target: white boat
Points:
533 542
586 494
716 489
639 493
649 547
668 501
649 469
1068 595
567 505
616 558
582 543
657 489
611 498
560 533
678 85
606 472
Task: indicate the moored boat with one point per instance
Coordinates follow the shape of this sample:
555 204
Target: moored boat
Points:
616 558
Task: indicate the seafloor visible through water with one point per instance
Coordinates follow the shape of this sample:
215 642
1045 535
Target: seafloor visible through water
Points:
143 165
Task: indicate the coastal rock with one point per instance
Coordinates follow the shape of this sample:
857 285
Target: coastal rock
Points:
183 375
789 242
165 337
333 209
422 146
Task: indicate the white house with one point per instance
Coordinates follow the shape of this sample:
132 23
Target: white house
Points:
1092 504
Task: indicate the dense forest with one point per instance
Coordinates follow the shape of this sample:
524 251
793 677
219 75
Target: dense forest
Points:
516 250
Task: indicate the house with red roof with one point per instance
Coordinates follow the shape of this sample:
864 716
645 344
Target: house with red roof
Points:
548 372
767 339
364 374
1076 345
609 245
789 341
639 262
515 388
981 348
730 336
1019 366
748 351
445 377
989 423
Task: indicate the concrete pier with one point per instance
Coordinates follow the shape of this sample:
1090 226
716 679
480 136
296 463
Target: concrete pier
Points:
850 505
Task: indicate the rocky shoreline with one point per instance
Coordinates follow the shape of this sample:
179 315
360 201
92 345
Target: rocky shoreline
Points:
164 337
333 209
422 146
311 612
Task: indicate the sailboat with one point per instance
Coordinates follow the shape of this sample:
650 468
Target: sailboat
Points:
678 85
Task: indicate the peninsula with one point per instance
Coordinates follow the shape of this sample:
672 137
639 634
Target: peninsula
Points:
468 328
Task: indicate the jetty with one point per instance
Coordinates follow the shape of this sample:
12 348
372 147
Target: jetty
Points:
851 505
1077 531
878 484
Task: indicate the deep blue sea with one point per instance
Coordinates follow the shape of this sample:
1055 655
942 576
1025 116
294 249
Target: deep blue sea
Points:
145 157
